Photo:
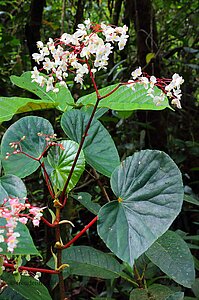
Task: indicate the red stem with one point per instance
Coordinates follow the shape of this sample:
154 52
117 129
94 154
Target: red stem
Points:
80 233
34 270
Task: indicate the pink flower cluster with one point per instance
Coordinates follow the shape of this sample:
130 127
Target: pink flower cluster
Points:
11 211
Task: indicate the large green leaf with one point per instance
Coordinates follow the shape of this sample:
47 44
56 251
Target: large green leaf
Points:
155 292
27 289
11 186
19 164
14 105
99 149
87 261
60 162
25 245
63 99
172 255
125 99
149 189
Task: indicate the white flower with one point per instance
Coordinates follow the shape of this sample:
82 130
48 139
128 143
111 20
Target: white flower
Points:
40 44
136 73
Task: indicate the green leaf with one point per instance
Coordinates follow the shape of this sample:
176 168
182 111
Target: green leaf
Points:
11 186
25 245
149 189
176 296
99 149
14 105
155 292
60 162
28 288
125 99
19 164
149 57
63 99
172 255
191 199
87 261
85 200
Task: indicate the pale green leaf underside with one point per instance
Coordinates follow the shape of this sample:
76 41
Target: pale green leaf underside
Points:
19 164
59 163
99 149
172 255
150 192
125 99
63 99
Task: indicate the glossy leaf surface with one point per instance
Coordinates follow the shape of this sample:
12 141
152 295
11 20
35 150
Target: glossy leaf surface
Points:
148 186
60 162
172 255
63 99
125 99
11 186
87 261
28 288
33 145
99 149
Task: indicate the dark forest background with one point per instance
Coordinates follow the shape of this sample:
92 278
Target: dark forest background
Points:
163 41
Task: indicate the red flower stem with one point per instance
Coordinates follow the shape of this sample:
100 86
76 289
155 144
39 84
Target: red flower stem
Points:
48 223
47 179
81 143
110 93
30 269
80 233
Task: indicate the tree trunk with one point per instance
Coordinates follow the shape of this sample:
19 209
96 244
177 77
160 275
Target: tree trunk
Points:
32 29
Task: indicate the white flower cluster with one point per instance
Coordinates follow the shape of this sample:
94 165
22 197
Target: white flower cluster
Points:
87 50
172 90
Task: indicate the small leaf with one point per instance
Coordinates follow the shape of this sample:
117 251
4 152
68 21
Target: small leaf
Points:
149 189
99 149
172 255
60 162
12 186
155 292
28 288
34 145
149 57
87 261
25 245
85 200
125 99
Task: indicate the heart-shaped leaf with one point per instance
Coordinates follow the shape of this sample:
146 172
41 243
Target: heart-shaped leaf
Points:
11 186
85 200
33 145
99 149
125 99
149 189
60 162
172 255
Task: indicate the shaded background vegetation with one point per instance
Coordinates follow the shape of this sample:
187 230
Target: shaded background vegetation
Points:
163 40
